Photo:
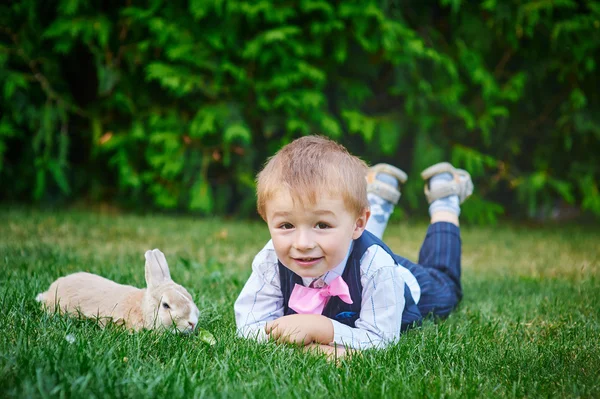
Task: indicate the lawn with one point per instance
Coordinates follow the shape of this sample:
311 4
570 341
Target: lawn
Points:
528 325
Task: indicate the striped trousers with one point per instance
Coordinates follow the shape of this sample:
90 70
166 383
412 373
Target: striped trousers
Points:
438 269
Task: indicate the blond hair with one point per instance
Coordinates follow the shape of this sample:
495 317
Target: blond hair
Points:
312 166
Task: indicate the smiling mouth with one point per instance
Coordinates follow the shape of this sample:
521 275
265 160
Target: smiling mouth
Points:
307 261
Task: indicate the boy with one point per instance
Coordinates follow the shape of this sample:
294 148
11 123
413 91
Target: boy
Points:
325 279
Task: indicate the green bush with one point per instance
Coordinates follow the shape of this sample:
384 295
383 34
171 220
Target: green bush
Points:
176 105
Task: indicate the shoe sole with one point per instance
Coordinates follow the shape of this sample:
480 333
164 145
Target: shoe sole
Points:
397 173
442 167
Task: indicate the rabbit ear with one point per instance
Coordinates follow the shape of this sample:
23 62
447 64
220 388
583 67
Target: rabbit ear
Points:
157 269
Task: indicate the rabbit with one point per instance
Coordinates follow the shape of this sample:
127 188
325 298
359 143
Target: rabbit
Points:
163 304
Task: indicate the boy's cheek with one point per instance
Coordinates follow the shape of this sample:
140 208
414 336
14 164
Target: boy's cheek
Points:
280 250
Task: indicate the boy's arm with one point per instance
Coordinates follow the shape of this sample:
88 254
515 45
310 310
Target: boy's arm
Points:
379 323
261 300
301 329
333 353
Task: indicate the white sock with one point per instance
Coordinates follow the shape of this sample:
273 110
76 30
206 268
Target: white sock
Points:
450 203
380 209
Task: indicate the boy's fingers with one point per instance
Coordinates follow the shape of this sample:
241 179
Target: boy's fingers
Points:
272 329
269 327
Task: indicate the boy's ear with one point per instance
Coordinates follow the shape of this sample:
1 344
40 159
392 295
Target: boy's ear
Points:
361 223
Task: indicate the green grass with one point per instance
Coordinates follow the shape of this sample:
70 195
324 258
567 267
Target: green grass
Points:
529 323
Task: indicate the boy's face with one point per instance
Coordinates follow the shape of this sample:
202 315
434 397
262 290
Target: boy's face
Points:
312 239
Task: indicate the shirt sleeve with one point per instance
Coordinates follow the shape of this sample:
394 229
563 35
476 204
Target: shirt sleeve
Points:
382 306
261 299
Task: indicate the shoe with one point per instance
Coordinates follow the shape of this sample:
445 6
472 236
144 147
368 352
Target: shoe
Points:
383 189
461 185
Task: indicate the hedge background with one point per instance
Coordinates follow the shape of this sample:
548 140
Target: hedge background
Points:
175 105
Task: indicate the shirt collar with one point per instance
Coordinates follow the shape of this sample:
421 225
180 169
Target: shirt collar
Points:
333 273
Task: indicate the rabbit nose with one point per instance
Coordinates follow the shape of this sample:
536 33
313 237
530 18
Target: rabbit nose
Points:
191 324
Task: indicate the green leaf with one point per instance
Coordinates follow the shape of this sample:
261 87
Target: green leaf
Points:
359 123
237 131
591 193
578 98
563 188
57 172
179 80
331 127
208 119
205 336
269 38
7 128
472 160
13 82
69 7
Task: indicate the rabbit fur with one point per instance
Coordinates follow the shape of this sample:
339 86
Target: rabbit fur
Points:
162 304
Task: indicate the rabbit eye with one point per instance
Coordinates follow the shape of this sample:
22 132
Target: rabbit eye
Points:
166 305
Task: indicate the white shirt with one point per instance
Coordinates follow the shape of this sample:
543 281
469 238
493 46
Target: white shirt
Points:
261 299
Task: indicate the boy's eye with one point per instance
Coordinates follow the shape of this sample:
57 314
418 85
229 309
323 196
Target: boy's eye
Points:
322 225
286 226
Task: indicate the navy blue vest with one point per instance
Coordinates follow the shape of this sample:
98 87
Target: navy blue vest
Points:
339 310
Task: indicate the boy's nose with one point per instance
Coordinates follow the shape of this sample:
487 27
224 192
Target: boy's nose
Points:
304 241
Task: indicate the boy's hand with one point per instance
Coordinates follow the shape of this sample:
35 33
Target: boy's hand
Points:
301 329
331 352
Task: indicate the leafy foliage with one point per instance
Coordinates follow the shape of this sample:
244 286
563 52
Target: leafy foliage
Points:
176 105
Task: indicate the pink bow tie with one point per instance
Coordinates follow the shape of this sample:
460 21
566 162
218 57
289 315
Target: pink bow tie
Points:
312 300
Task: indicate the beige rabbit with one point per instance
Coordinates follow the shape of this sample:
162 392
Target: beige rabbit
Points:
163 304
